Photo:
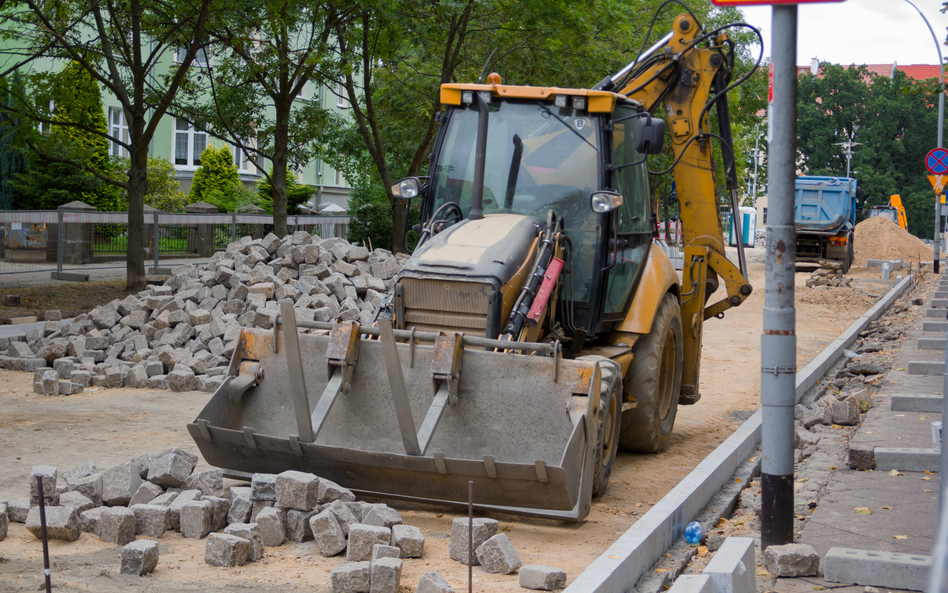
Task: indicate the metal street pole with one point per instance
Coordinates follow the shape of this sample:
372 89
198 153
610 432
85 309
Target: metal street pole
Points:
941 127
778 342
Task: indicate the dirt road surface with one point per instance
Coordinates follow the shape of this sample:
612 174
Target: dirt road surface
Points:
112 426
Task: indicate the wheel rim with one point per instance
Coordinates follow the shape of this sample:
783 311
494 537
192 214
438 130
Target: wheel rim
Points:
666 376
609 429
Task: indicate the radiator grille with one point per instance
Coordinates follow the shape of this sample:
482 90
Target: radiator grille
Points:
439 305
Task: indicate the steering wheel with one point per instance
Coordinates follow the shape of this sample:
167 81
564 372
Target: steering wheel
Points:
447 212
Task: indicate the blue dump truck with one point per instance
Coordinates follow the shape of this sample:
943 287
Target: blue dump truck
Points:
824 213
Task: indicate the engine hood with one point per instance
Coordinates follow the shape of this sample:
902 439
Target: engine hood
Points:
492 247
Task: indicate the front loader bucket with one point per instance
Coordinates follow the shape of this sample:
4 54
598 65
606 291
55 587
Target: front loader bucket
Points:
436 416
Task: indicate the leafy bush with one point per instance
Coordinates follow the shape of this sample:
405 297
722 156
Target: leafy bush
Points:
231 198
162 190
217 172
297 194
51 180
371 218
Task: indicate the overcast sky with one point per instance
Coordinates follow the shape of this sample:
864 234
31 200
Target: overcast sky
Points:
862 31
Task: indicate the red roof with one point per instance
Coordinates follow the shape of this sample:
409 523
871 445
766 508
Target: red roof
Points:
916 71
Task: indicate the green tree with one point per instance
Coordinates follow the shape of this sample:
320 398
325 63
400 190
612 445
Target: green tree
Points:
217 173
13 131
127 47
297 194
555 43
891 118
78 129
266 53
162 188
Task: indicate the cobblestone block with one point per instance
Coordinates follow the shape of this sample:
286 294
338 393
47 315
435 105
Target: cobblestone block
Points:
272 531
351 577
542 578
61 523
75 500
251 533
226 550
297 490
362 538
240 505
409 540
171 468
145 493
497 555
483 530
117 525
432 582
139 557
119 483
385 575
195 519
151 520
263 487
328 534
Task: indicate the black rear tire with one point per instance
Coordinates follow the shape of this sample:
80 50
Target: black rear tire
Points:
654 381
850 255
607 435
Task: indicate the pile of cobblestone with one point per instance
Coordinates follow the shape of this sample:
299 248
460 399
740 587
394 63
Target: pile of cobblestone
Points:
181 335
153 494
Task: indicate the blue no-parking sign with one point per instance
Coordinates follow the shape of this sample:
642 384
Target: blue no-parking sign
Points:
937 161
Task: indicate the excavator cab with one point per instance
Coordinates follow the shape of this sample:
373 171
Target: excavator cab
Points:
548 155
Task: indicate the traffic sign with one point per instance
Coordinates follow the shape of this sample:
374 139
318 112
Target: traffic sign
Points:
938 183
750 2
936 161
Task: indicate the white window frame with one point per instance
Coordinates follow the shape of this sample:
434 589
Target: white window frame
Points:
192 134
338 179
45 127
202 59
242 160
341 100
118 129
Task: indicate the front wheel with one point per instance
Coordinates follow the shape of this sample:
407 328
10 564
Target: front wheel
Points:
655 382
607 435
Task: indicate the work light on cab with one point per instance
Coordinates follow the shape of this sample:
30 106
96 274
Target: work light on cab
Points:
407 188
605 201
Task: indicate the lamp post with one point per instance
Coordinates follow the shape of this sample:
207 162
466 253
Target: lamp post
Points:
941 127
849 151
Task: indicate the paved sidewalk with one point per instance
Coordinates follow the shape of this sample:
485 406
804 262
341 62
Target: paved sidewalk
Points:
903 505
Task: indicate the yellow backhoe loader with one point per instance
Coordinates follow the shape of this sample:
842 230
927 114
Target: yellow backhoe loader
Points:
535 329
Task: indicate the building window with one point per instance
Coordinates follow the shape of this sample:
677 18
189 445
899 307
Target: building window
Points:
45 127
118 130
341 100
242 160
190 140
339 180
202 58
765 216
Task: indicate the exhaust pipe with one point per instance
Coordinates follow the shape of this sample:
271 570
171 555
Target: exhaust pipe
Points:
480 157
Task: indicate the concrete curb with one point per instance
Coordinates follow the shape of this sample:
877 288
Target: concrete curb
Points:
926 367
915 403
931 344
934 326
877 569
910 459
619 568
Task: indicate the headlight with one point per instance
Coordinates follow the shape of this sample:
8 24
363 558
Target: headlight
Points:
407 188
605 201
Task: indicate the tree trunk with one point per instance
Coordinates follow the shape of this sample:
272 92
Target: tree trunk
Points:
399 220
135 257
281 139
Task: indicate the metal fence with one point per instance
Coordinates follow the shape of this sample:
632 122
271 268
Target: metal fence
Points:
67 240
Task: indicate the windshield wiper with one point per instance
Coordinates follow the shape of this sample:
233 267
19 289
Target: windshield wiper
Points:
546 110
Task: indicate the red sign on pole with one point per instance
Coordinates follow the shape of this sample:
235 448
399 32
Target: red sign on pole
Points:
752 2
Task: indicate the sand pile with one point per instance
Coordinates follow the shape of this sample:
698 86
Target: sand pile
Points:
880 238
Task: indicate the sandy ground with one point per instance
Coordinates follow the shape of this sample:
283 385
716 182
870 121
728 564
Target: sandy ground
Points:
112 426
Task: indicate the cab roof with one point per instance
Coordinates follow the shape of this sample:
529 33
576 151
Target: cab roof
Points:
597 101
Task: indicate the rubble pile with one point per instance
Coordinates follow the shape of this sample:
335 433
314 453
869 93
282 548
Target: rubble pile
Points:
829 278
880 238
153 494
181 335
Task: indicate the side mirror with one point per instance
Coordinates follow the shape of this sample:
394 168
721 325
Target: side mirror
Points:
407 188
649 135
605 201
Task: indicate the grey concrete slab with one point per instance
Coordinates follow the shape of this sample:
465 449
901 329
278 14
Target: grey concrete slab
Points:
931 344
20 329
934 326
877 569
732 567
943 302
941 313
693 583
906 402
910 459
926 367
940 294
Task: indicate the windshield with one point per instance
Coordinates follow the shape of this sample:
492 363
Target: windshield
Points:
538 157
